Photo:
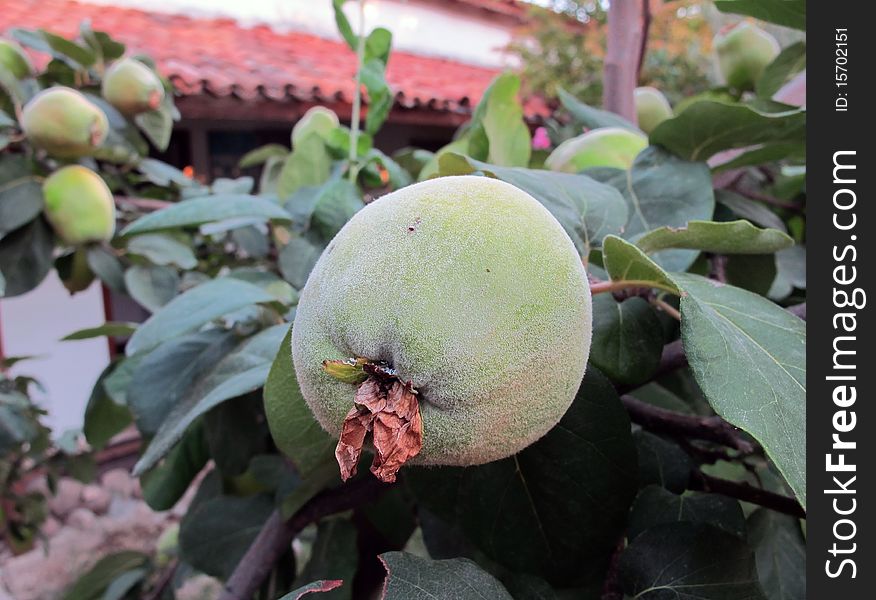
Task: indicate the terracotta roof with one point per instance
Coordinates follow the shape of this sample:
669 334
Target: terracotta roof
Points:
217 57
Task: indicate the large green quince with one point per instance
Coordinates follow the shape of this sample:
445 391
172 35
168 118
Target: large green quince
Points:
744 51
64 123
79 205
652 108
602 147
132 87
471 291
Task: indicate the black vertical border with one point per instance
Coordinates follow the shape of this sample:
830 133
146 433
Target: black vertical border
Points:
830 131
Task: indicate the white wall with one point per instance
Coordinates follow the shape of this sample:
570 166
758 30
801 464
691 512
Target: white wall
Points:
33 324
426 29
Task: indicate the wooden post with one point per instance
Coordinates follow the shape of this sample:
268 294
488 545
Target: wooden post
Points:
622 57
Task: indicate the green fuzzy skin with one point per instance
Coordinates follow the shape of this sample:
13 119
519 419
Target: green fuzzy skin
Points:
79 205
744 51
652 108
64 123
15 60
132 87
471 290
319 120
601 147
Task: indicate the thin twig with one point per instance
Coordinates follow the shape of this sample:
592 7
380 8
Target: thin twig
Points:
643 45
165 580
148 204
604 287
702 482
276 534
357 96
711 429
666 307
718 264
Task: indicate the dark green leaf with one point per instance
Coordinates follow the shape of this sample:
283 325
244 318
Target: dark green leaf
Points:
410 577
656 506
627 339
749 209
107 267
242 420
625 262
215 535
296 432
93 584
790 13
590 117
152 287
243 370
261 155
749 357
157 125
333 556
26 257
164 485
556 508
110 329
780 550
64 49
21 201
662 462
689 561
103 417
163 249
195 308
587 209
207 209
124 583
337 202
707 127
297 260
788 63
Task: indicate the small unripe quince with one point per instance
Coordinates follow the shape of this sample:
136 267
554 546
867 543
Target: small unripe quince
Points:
79 205
652 108
132 87
318 119
470 297
602 147
15 60
64 122
744 50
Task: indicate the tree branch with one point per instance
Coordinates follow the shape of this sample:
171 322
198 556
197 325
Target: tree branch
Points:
710 429
643 45
619 73
147 204
276 534
702 482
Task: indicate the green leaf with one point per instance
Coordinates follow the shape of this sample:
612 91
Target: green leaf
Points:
749 209
587 210
241 419
64 49
788 63
308 164
124 583
295 430
627 339
687 560
729 237
378 45
510 142
656 506
21 201
162 174
26 257
157 125
344 25
261 155
324 585
107 267
380 97
164 377
707 127
164 485
92 584
152 287
590 117
410 577
163 249
336 204
790 13
333 556
662 462
103 417
243 370
109 329
662 190
215 535
749 357
556 509
625 262
297 259
207 209
194 308
780 550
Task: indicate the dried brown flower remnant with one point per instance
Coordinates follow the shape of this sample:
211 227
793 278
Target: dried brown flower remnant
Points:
389 409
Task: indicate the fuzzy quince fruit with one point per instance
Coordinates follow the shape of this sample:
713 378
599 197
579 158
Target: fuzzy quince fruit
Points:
652 108
318 119
64 122
132 87
451 320
744 50
15 60
79 205
602 147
